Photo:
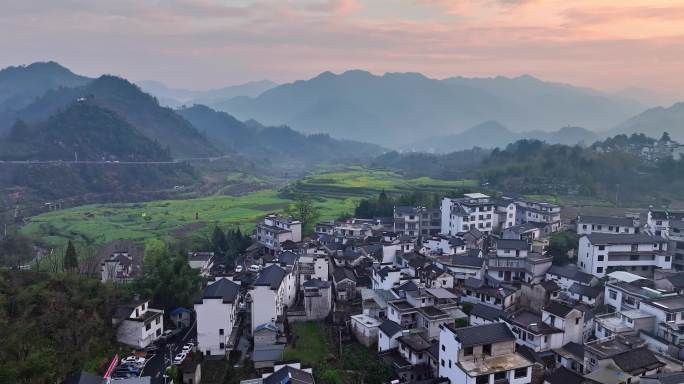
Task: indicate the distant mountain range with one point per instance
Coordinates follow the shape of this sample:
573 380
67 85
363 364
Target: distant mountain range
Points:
397 109
653 122
171 97
492 134
252 139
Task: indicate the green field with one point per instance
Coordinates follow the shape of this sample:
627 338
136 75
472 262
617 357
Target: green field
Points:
335 193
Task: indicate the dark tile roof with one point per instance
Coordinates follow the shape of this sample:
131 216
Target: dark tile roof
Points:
486 312
563 375
512 244
289 375
341 273
271 276
677 280
466 261
317 283
483 334
575 348
570 272
390 328
287 258
673 303
585 290
606 220
624 238
407 286
222 289
531 322
637 361
667 377
558 309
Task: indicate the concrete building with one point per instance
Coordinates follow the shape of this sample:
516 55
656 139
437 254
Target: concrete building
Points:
118 267
274 230
417 221
137 325
365 329
600 253
473 211
216 315
602 224
201 261
274 290
482 354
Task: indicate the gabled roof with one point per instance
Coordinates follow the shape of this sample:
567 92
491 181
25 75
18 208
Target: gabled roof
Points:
341 273
407 286
563 375
289 375
606 220
570 272
486 312
287 258
271 276
558 309
637 361
624 238
390 328
585 290
677 280
575 348
222 289
482 334
464 261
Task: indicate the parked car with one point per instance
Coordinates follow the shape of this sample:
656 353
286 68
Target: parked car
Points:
179 358
166 334
133 360
239 269
254 268
186 348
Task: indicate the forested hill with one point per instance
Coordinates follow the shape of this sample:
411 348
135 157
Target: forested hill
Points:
139 109
85 130
252 139
613 169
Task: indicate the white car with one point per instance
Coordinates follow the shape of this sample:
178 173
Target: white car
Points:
186 348
254 268
133 360
239 269
179 358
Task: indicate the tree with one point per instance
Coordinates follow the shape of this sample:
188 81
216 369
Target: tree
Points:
70 258
166 277
665 138
304 210
218 241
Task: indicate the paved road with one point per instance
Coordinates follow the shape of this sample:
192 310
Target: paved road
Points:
156 366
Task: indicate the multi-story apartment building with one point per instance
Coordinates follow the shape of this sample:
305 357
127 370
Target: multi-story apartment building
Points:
274 289
473 211
544 214
138 325
603 224
417 221
676 236
216 314
274 230
658 221
482 354
601 253
669 317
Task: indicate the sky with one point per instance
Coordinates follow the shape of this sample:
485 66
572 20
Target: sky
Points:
201 44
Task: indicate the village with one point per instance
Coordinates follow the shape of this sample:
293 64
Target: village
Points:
463 293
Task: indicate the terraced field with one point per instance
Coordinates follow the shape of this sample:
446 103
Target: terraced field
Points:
335 193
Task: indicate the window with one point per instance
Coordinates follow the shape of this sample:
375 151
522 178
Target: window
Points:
221 331
442 362
157 320
148 326
667 258
449 363
670 317
500 376
159 332
599 269
467 351
633 257
222 346
612 294
584 226
443 347
520 373
600 258
487 349
601 247
484 379
577 321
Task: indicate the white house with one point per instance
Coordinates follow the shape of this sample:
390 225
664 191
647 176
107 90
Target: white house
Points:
216 314
274 290
365 328
118 267
602 224
482 354
669 316
274 230
658 221
600 253
473 211
137 325
388 332
546 214
202 261
311 267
